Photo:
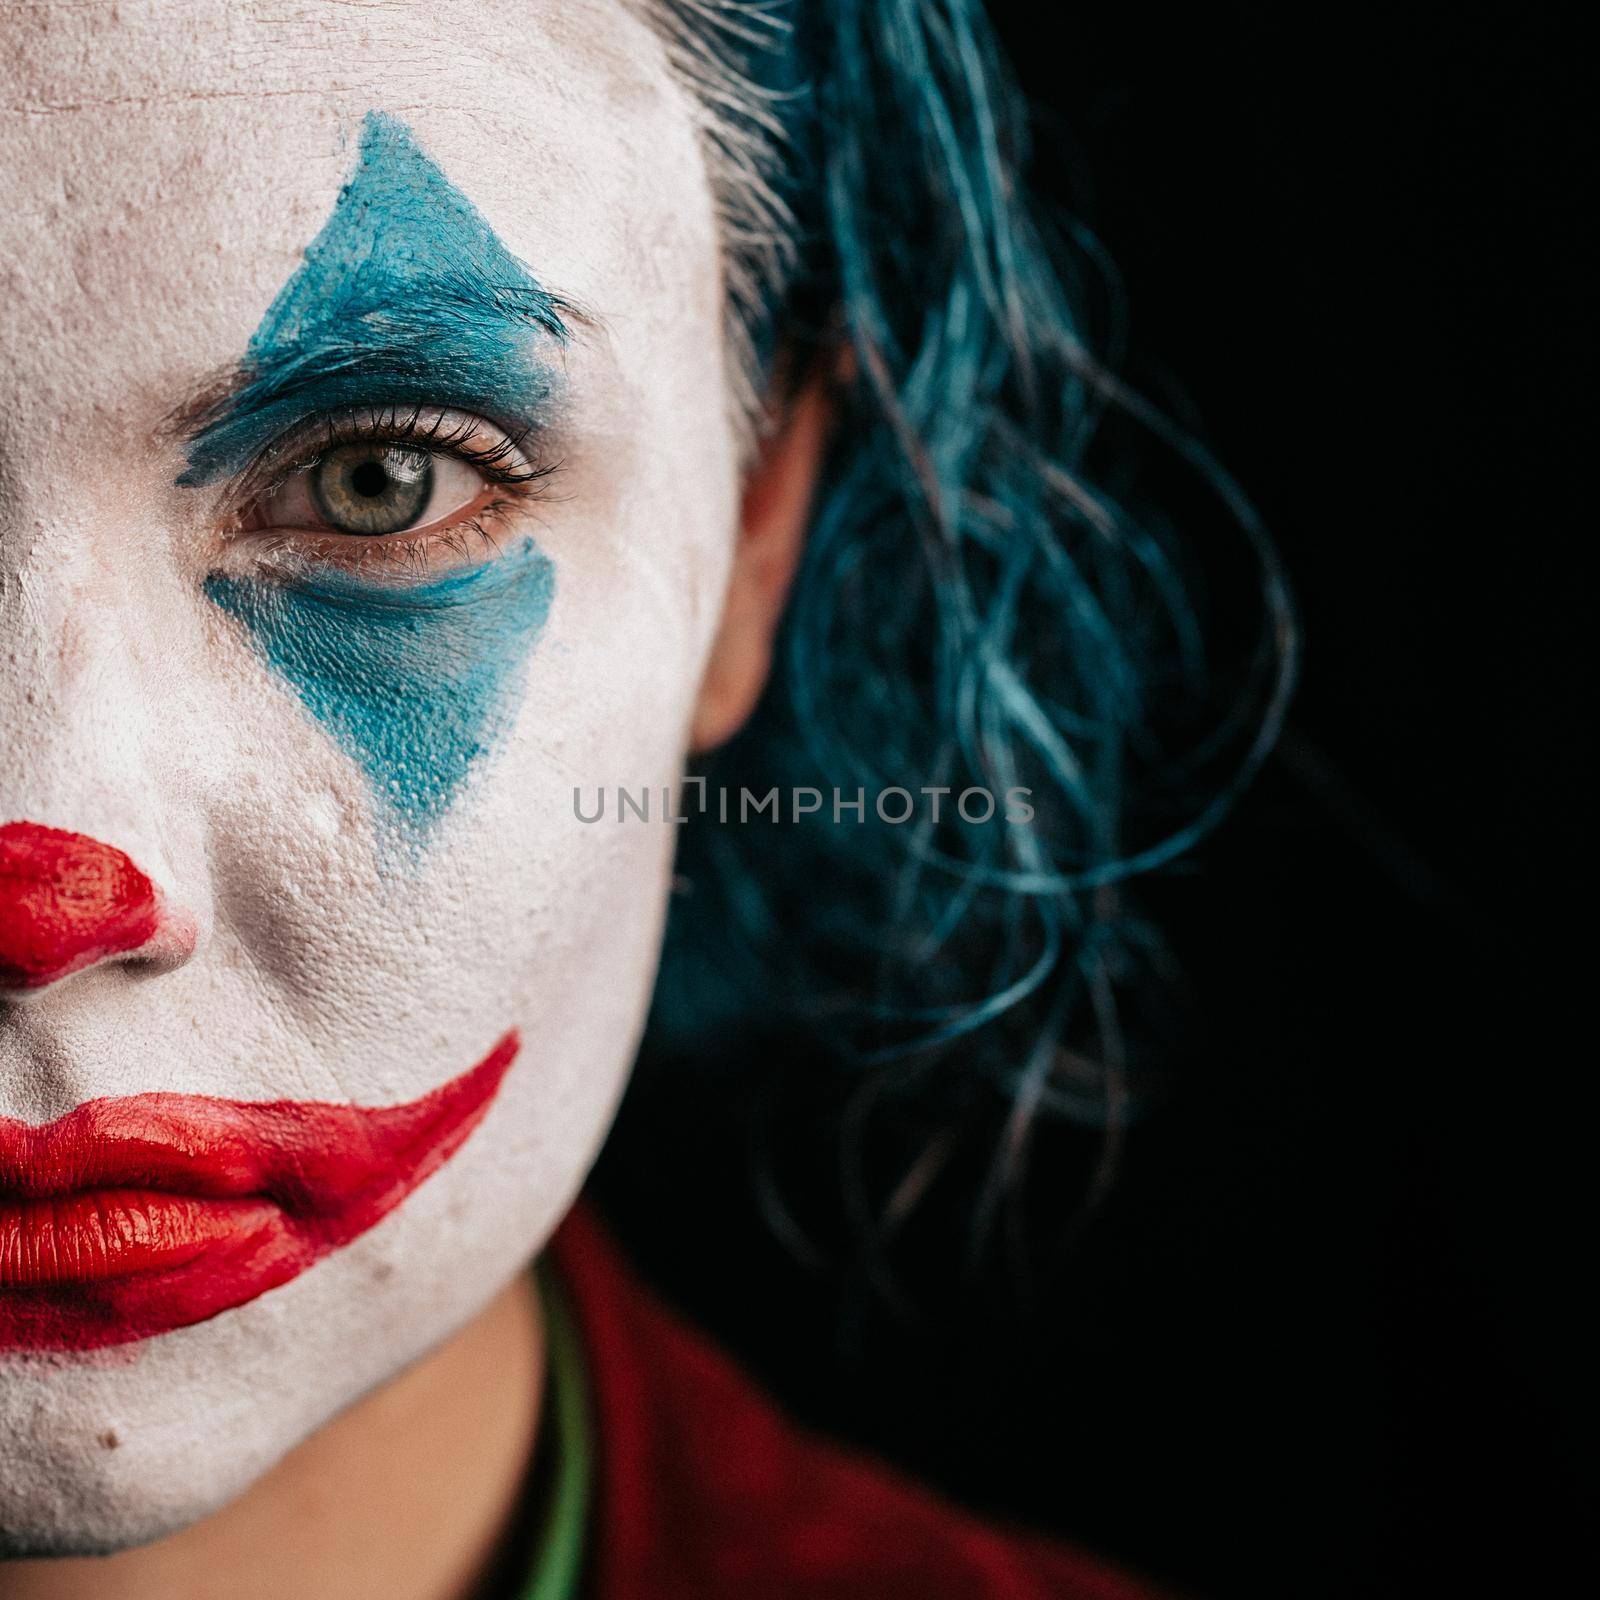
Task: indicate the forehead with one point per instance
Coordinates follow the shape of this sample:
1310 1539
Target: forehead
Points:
167 164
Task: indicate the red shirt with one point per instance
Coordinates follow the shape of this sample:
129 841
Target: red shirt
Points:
705 1491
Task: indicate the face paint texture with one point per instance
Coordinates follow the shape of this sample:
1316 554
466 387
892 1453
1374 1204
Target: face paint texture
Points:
405 297
415 683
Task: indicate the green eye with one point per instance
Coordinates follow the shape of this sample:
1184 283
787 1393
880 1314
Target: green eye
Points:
373 488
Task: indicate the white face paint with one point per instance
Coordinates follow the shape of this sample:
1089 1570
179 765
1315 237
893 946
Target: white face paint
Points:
354 942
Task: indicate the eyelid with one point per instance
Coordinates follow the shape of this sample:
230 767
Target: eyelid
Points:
503 459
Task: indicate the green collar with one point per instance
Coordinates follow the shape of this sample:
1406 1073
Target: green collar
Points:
559 1561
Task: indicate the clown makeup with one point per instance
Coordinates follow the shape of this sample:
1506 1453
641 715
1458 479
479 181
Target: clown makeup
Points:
365 486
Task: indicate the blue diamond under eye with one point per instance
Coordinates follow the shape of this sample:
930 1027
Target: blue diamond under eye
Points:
414 682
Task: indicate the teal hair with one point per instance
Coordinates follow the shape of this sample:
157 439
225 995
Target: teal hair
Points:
986 600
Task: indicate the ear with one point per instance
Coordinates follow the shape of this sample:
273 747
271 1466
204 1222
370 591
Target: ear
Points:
772 525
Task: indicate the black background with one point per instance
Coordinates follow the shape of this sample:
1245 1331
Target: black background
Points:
1322 1339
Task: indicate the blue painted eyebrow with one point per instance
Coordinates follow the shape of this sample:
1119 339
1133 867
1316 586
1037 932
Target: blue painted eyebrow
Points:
405 297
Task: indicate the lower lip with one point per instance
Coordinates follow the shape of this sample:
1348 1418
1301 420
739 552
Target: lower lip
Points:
199 1204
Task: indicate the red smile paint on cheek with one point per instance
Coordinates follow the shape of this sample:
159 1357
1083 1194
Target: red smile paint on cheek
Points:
133 1216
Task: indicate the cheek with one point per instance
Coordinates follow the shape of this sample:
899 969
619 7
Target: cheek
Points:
406 868
404 872
568 911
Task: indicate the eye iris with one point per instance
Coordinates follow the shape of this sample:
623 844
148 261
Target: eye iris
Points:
372 488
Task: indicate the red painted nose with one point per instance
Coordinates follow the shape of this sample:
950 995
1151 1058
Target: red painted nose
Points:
66 902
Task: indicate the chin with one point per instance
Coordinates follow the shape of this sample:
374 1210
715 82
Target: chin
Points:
72 1484
111 1448
116 1448
101 1528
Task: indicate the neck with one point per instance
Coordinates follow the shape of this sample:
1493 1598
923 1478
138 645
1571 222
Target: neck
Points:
408 1495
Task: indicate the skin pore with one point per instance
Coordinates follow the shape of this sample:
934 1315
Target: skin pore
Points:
174 680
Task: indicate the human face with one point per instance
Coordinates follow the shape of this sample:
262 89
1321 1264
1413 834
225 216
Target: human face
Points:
279 286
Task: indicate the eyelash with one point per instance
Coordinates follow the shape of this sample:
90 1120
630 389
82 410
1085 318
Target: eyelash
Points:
388 428
504 463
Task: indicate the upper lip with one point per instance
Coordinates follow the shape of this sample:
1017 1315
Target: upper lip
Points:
178 1144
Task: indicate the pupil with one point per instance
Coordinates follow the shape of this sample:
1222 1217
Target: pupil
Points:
372 489
370 479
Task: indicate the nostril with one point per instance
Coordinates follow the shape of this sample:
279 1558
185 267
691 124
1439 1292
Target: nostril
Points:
67 902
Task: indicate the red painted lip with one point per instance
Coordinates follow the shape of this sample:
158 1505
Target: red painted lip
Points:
133 1216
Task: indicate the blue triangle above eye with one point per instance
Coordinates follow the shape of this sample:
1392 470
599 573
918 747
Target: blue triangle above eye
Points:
406 296
401 234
